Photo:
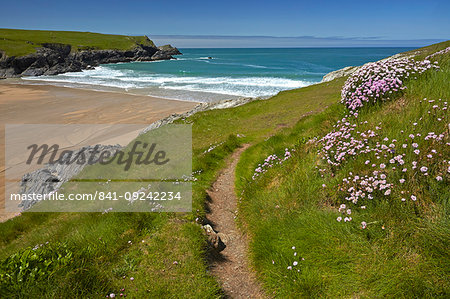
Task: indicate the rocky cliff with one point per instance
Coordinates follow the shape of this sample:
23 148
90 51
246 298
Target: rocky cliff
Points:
53 59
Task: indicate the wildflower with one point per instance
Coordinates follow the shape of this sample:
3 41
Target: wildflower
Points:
295 263
382 166
417 152
363 225
131 278
112 295
339 219
402 181
423 169
289 267
403 199
413 198
293 247
438 178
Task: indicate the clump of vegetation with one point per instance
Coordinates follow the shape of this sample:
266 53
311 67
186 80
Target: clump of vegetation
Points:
31 265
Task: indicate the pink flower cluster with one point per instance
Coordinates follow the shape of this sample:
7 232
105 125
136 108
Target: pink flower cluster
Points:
445 51
295 263
392 166
345 140
346 213
380 80
415 157
270 161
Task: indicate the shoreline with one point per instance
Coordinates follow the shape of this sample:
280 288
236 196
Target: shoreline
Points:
195 96
85 87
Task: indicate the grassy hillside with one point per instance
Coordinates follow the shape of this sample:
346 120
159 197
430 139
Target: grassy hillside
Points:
16 42
401 253
396 244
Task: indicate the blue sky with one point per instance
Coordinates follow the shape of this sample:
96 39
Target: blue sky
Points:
314 22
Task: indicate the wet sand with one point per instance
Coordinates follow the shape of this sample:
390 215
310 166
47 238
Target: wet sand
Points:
44 104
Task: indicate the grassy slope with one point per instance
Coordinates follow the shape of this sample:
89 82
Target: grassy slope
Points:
425 51
16 42
404 251
100 242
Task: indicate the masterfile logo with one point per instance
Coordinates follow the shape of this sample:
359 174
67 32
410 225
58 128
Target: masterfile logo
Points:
94 168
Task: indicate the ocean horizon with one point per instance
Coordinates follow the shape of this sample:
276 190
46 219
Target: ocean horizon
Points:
213 74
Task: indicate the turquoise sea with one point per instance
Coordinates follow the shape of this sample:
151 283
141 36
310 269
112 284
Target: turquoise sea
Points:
229 73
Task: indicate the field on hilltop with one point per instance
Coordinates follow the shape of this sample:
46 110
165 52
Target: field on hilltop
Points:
16 42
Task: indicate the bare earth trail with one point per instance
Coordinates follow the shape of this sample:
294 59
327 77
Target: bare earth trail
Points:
231 268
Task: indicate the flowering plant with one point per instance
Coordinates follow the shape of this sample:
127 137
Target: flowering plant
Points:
380 80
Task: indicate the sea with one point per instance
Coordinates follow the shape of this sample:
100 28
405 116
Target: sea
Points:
209 75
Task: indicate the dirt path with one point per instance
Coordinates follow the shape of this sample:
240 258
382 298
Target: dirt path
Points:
231 266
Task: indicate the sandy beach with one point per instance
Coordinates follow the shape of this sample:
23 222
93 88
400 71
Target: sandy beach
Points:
44 104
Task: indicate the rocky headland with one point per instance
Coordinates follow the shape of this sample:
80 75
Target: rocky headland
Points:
54 58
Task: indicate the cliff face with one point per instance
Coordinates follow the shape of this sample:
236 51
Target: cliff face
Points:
53 59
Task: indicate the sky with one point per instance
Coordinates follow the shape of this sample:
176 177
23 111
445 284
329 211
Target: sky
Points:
243 23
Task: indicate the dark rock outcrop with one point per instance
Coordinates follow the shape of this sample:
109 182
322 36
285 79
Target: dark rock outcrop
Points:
165 52
52 176
53 59
169 50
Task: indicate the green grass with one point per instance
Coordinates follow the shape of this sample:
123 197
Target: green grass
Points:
16 42
286 207
425 51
